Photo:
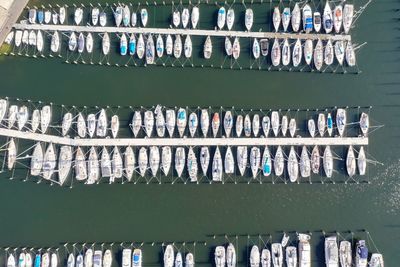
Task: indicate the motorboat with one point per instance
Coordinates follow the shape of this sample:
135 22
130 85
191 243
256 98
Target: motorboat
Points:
144 16
140 47
55 42
207 48
318 55
204 122
28 260
221 17
341 120
228 46
265 258
176 18
171 121
159 46
275 122
348 12
296 18
103 19
126 16
376 260
177 46
107 258
286 18
340 51
236 48
132 44
38 260
266 162
350 55
45 260
193 123
329 54
264 47
297 53
254 256
160 122
361 259
116 164
331 252
118 15
328 162
3 109
317 21
351 162
181 121
291 256
195 16
315 160
311 127
105 163
256 48
180 160
231 259
230 18
307 18
229 162
305 163
215 124
49 162
219 256
129 163
154 161
150 50
142 161
279 162
276 18
123 45
329 124
327 20
217 167
337 18
308 51
80 165
255 125
101 129
242 159
345 254
276 53
249 18
185 17
361 161
293 165
204 159
169 45
95 16
93 167
64 163
37 160
39 41
78 15
81 43
247 125
47 16
97 259
32 38
228 123
266 125
18 38
304 249
32 16
284 125
136 123
277 254
192 166
321 124
133 19
105 44
255 160
9 38
187 47
239 125
149 122
22 117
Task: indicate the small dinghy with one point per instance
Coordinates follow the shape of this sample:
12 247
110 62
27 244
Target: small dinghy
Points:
78 15
308 51
32 15
160 46
229 162
318 55
215 124
351 162
89 43
114 125
266 125
328 162
49 162
327 21
118 15
64 163
176 18
95 16
276 53
285 18
279 162
230 18
317 21
45 118
37 160
249 18
192 165
265 258
143 161
195 17
247 125
264 46
123 45
231 256
292 127
103 19
219 256
193 123
204 122
364 123
140 49
266 162
228 123
204 159
217 168
284 125
80 164
178 46
293 165
276 18
149 122
256 124
228 46
187 47
144 16
221 17
105 44
136 123
254 256
160 122
66 123
338 18
256 49
291 256
277 254
126 16
171 121
275 122
207 48
297 53
181 121
166 159
91 124
133 19
101 129
236 48
331 251
169 45
129 163
72 42
329 124
81 43
185 17
311 127
341 120
350 55
93 167
55 42
154 160
22 117
321 124
150 50
255 160
180 160
307 19
348 12
286 53
242 159
296 18
239 125
340 51
328 53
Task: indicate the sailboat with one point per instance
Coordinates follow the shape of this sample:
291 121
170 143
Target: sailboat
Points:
160 46
277 254
308 51
185 17
247 125
118 15
22 117
78 15
338 18
348 12
315 160
80 165
126 16
318 55
276 53
114 125
169 256
331 251
204 159
180 160
279 162
256 124
236 48
255 160
106 44
142 161
149 122
89 43
345 254
150 50
242 159
177 46
45 118
329 53
176 18
93 167
144 16
55 42
329 124
286 18
293 165
140 47
321 124
351 162
136 123
228 46
207 48
231 256
296 18
350 55
215 124
286 53
291 256
221 18
284 125
254 256
37 160
72 43
266 162
256 48
219 256
228 123
327 21
107 258
171 121
192 166
102 19
169 45
276 18
248 18
340 51
91 123
166 159
204 122
49 162
195 16
133 19
305 163
307 19
275 122
229 162
230 18
239 125
181 121
81 43
123 45
154 160
193 123
361 161
328 162
12 116
341 120
297 53
102 124
129 163
187 47
64 163
217 168
292 127
160 122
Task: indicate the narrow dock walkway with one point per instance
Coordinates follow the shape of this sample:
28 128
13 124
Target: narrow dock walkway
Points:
173 31
271 141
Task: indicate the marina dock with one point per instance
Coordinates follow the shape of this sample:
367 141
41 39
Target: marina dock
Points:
176 31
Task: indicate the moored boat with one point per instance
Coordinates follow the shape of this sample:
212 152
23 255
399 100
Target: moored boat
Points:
215 124
340 51
81 43
255 160
236 48
195 16
219 256
204 159
297 53
239 125
140 47
221 17
321 124
350 55
187 47
266 162
228 123
159 46
255 124
311 127
256 48
55 42
185 17
217 167
123 45
254 256
149 122
132 44
315 160
230 18
171 121
286 53
328 162
329 53
136 123
169 45
318 55
276 18
348 11
291 256
142 161
338 18
181 121
317 21
204 122
304 250
376 260
293 165
207 48
247 125
307 19
296 18
308 51
180 160
231 255
154 161
105 44
305 163
341 120
345 254
331 252
49 162
118 15
150 50
95 16
276 53
192 166
229 162
248 18
351 162
177 46
64 163
286 18
327 20
361 161
37 160
101 129
129 163
264 47
78 15
242 159
93 167
277 254
176 18
284 125
228 46
80 165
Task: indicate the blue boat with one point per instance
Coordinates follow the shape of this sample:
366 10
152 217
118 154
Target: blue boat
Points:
38 260
330 124
132 45
123 45
40 15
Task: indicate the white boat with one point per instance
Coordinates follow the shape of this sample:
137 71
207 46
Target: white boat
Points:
45 118
317 21
81 43
136 123
308 51
28 260
187 47
64 163
351 162
254 256
307 19
266 162
107 258
329 124
70 260
137 258
123 45
195 16
265 125
142 161
11 261
45 260
32 15
329 53
129 163
102 19
55 42
116 164
22 117
315 160
93 167
37 160
149 122
321 124
207 48
228 46
348 12
345 254
105 45
160 46
144 16
350 55
150 50
328 162
177 46
219 256
204 159
327 20
305 163
80 165
228 123
78 15
126 257
12 115
18 38
376 260
215 124
255 160
284 125
285 240
39 41
264 47
286 53
217 168
291 256
292 127
255 125
239 125
185 17
166 159
277 254
181 121
338 18
114 125
265 258
331 252
47 16
339 51
276 53
249 18
275 122
286 18
276 18
176 18
140 47
256 48
118 15
193 123
311 127
180 160
236 48
247 125
154 160
32 38
133 19
293 165
81 125
297 53
279 162
171 121
341 120
361 161
221 17
296 18
242 159
101 129
9 38
97 259
231 256
229 162
126 16
304 250
3 109
318 55
169 45
105 163
95 16
53 260
192 166
160 122
49 162
230 18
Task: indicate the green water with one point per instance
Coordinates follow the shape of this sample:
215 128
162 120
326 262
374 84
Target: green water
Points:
40 215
